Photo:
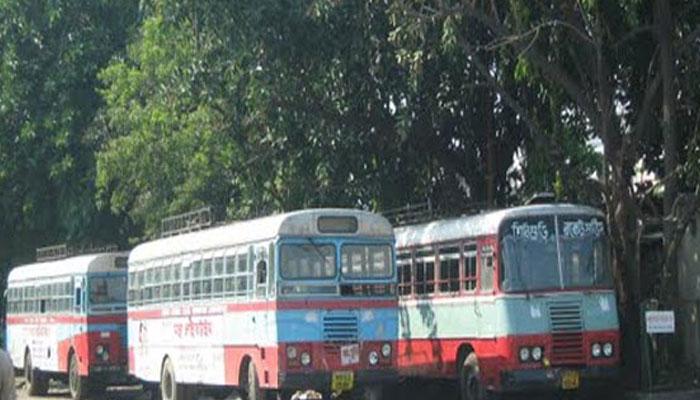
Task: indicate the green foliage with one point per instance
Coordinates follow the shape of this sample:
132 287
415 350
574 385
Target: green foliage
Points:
50 54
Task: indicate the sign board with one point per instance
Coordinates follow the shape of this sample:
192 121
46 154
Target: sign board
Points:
660 321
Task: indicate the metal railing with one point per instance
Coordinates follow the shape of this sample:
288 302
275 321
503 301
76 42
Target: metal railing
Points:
60 251
186 222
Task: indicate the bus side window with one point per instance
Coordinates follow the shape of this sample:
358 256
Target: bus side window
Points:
403 262
469 268
487 274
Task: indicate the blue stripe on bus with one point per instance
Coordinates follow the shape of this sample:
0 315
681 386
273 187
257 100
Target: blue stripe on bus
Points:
307 325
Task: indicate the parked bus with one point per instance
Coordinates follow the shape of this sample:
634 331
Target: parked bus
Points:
66 320
303 300
508 301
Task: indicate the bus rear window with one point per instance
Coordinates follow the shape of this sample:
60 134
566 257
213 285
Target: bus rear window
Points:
107 290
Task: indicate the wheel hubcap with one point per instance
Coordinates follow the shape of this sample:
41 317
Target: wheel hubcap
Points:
167 385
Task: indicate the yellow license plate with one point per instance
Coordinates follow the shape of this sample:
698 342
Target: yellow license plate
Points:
570 380
342 381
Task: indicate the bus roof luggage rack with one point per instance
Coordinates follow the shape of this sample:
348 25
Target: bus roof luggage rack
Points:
186 222
541 198
59 251
55 252
410 214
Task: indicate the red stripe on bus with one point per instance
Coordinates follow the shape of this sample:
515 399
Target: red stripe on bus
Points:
217 309
66 319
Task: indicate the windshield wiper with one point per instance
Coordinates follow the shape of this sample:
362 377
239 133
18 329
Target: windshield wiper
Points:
318 252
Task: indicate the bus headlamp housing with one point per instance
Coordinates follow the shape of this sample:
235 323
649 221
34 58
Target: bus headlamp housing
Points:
608 349
524 354
291 352
373 358
386 349
305 359
531 354
536 353
99 349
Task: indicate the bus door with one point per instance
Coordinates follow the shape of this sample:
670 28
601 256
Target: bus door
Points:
487 310
79 287
261 269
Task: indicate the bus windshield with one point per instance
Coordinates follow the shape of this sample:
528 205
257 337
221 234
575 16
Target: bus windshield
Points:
307 261
366 261
564 252
107 290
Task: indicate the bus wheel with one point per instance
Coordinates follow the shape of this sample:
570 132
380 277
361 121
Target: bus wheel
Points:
470 385
169 388
76 383
252 390
37 382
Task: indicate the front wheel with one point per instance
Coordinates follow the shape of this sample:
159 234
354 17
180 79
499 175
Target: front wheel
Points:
252 390
37 382
76 383
471 386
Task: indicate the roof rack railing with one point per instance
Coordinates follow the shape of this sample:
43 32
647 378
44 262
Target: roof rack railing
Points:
186 222
60 251
425 212
410 214
541 198
55 252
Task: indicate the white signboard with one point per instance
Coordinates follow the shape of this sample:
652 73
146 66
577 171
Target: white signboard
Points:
660 321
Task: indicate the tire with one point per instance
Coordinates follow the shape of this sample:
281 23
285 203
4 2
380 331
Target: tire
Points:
77 384
37 382
169 388
471 386
252 384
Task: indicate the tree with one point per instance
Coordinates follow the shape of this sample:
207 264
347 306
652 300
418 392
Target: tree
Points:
50 55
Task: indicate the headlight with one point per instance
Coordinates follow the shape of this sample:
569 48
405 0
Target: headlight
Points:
524 354
608 349
291 352
536 353
596 350
373 358
305 359
99 349
105 356
386 349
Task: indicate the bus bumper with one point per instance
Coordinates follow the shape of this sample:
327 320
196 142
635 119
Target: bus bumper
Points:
109 374
550 379
321 380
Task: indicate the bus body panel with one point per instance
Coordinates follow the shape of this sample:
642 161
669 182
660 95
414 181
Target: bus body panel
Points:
58 320
430 346
210 334
453 314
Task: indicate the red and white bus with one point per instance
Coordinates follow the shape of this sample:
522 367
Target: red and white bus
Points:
66 319
302 300
508 301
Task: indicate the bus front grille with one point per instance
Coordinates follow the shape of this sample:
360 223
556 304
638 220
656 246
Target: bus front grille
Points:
340 327
566 323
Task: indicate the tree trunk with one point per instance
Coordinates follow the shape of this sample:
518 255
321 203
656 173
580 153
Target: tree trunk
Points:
663 22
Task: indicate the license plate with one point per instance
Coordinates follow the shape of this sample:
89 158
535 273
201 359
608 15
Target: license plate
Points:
342 381
570 380
350 354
